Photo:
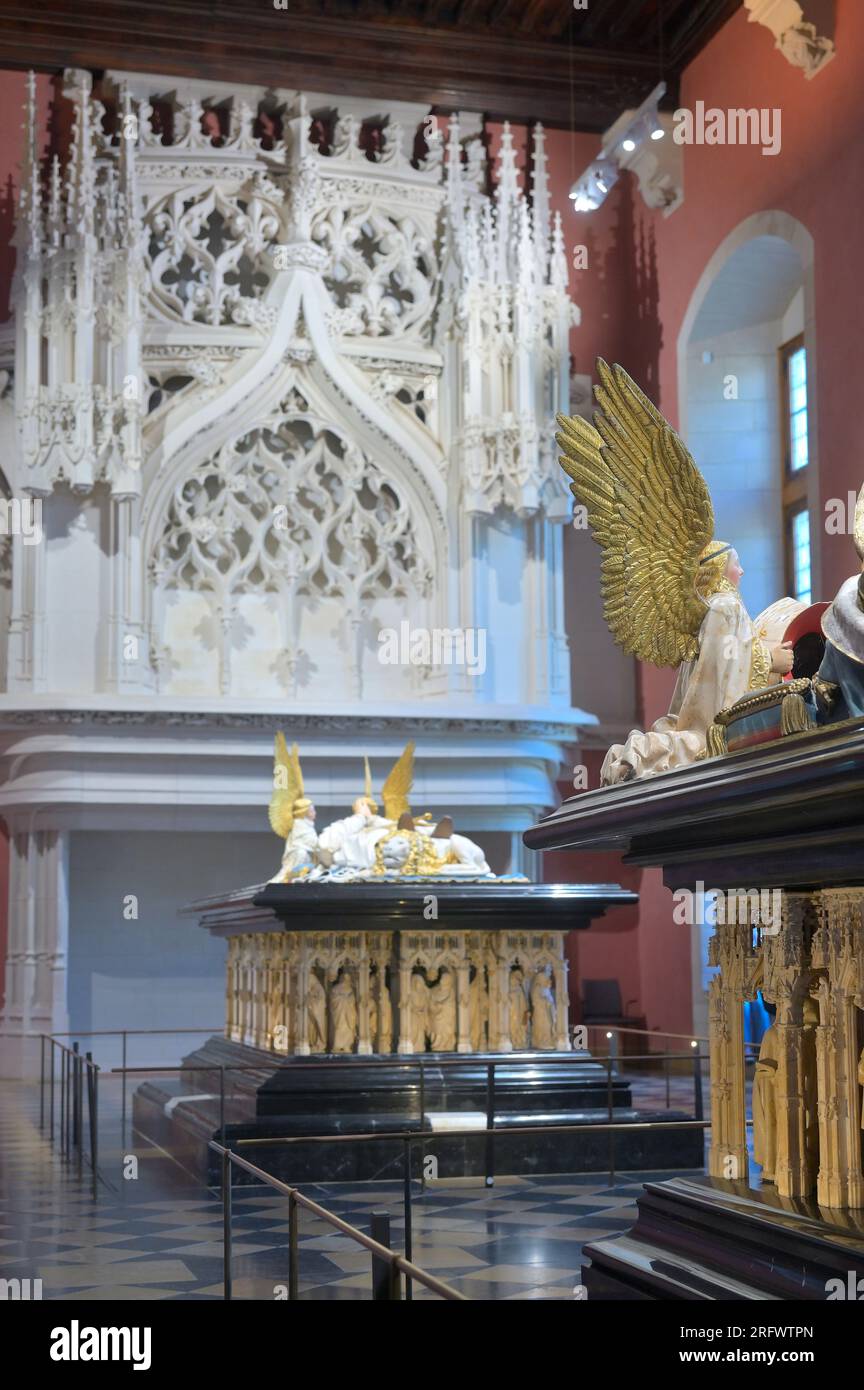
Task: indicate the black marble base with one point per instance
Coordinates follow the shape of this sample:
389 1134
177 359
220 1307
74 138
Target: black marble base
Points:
703 1240
367 1096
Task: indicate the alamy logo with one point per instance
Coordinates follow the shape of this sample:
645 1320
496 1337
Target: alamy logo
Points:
851 1288
77 1343
437 646
21 516
737 126
20 1289
752 907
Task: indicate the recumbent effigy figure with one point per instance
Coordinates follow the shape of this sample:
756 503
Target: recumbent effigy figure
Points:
364 844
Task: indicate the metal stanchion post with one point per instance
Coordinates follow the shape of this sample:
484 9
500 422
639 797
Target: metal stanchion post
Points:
385 1278
293 1257
422 1122
74 1094
609 1061
79 1110
666 1070
41 1080
123 1091
51 1105
226 1224
93 1115
698 1102
406 1191
490 1125
62 1099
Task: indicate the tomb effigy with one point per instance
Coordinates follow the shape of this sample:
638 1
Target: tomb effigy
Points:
376 990
768 794
383 942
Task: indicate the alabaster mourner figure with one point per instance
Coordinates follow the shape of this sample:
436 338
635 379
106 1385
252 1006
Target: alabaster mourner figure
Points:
764 1103
670 590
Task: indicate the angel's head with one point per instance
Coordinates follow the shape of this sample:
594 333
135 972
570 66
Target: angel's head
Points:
719 569
304 809
364 806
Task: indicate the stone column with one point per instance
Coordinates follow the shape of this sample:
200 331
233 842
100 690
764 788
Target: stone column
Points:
36 958
838 949
498 970
231 987
364 1042
463 1000
405 1011
731 949
301 1006
785 983
562 1000
383 950
262 993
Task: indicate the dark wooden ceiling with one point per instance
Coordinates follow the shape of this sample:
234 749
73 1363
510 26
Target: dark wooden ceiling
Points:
526 59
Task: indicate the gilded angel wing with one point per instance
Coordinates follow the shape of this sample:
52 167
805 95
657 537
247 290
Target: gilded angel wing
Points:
287 787
650 512
397 788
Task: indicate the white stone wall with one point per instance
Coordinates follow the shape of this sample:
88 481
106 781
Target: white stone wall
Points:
273 396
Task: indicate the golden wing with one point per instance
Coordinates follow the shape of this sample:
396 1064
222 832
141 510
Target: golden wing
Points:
650 512
287 787
397 788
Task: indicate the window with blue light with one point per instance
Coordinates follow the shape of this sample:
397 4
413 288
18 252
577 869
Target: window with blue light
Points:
801 580
796 369
796 459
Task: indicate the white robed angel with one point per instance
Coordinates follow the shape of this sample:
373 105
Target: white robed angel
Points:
292 816
670 590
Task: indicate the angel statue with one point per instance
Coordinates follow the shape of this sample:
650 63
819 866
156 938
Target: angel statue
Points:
292 815
670 590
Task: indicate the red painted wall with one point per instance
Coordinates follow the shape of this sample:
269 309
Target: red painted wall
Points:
4 909
642 272
817 178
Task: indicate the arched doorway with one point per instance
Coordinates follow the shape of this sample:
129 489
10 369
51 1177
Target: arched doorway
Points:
753 305
753 301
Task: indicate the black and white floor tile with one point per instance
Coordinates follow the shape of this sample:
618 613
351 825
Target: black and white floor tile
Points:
160 1237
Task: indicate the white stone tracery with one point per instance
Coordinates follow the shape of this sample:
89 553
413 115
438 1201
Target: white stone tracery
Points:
293 509
284 375
192 262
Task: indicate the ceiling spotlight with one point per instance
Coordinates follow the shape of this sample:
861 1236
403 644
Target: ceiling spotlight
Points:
631 130
589 191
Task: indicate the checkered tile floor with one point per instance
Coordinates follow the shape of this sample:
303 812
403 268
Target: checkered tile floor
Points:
160 1237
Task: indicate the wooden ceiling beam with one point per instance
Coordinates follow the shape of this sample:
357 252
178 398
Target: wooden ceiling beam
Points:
519 76
589 24
623 19
535 17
